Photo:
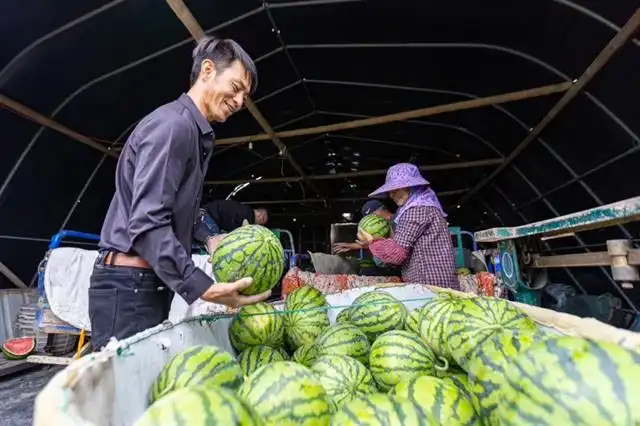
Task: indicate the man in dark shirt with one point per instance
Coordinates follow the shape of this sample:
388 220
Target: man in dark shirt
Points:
221 216
148 230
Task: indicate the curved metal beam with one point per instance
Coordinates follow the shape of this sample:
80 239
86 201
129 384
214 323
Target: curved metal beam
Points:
5 73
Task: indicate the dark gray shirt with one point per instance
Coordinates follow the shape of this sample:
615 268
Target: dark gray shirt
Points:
159 180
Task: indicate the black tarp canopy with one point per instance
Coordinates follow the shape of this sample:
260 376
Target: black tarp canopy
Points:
96 67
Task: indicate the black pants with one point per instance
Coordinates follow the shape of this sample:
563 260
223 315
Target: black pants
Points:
124 301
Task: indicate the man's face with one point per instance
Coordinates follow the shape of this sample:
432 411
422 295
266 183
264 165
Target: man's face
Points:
224 91
261 217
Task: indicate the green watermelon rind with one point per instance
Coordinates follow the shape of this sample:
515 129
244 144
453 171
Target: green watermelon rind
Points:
377 312
205 365
217 405
375 225
12 354
236 258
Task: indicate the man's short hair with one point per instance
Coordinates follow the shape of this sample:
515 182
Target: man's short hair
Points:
222 52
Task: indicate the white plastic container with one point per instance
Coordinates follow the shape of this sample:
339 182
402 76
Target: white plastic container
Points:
110 388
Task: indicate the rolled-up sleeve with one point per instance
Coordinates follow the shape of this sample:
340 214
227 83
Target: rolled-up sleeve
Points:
162 156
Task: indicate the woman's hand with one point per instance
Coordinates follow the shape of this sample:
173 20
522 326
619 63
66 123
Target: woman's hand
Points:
364 238
339 248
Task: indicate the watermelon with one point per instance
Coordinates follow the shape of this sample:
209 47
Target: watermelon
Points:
305 355
254 325
344 339
343 316
399 355
287 394
381 410
200 406
249 251
461 381
18 348
376 312
571 381
255 357
434 317
343 378
197 365
375 225
440 400
305 317
474 320
413 321
487 366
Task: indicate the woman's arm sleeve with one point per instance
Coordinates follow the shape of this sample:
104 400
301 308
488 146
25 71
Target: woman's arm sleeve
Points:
396 249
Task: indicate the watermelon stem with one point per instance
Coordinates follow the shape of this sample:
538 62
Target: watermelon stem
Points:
445 365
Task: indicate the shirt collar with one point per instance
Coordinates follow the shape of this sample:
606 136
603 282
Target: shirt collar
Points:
203 124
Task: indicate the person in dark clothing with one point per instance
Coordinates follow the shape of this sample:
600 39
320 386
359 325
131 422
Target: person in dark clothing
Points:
221 216
145 242
380 269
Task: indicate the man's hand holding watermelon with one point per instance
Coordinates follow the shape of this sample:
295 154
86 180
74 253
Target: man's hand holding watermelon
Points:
228 294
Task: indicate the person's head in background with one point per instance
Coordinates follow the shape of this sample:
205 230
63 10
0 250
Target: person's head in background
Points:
376 207
261 216
223 75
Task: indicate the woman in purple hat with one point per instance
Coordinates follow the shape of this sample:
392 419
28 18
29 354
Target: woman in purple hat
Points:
421 243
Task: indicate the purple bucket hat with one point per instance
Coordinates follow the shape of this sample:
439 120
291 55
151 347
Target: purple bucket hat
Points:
403 175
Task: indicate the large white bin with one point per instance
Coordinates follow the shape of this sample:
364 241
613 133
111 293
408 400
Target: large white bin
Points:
110 388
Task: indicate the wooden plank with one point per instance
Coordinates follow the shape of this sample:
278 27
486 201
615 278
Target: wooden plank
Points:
408 115
375 172
45 121
49 360
598 217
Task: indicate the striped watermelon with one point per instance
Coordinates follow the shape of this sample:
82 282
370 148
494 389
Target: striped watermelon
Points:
255 357
343 316
305 355
434 319
344 339
197 365
461 381
571 381
376 312
249 251
381 410
399 355
287 394
254 325
200 406
487 365
306 316
440 400
413 321
375 225
474 320
344 379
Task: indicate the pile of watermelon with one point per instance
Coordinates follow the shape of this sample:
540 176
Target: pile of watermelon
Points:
454 361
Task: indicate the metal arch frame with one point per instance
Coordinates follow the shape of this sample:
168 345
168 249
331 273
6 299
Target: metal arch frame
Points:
103 77
500 108
510 51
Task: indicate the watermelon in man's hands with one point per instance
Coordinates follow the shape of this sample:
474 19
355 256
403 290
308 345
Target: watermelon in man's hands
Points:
249 251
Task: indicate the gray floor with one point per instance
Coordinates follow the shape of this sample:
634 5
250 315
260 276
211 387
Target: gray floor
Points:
18 392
